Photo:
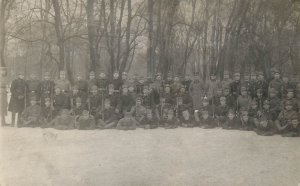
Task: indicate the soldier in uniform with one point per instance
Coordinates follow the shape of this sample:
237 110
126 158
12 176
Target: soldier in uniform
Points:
149 121
85 121
140 85
226 80
244 99
76 93
106 117
184 95
116 82
285 117
18 97
102 83
157 88
92 80
253 85
235 85
63 84
33 87
275 103
169 97
31 117
253 109
207 106
47 88
169 121
82 84
262 83
176 85
221 111
276 83
127 123
246 122
78 108
95 101
3 95
60 101
230 100
64 121
290 96
232 122
187 82
124 78
138 111
205 120
197 92
293 128
126 100
264 126
169 79
212 85
186 119
47 112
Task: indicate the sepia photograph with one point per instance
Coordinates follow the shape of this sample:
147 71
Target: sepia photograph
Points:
150 92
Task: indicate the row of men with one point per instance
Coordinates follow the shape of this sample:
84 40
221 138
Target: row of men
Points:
249 94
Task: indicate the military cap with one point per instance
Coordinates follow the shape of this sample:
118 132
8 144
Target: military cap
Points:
276 71
243 88
138 99
231 111
290 90
57 88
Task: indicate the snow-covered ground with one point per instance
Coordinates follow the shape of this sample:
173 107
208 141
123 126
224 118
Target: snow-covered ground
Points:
37 157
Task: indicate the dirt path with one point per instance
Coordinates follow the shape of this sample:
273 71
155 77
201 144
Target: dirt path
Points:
146 157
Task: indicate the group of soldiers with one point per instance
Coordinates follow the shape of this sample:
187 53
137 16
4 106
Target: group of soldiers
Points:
246 102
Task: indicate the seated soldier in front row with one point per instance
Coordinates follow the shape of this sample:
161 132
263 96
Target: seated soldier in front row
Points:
232 122
246 122
150 121
186 119
107 118
264 126
138 111
32 116
85 121
127 123
64 121
206 121
293 128
221 111
169 121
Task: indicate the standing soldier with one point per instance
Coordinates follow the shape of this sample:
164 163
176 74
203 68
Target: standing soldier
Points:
124 78
47 88
197 92
76 93
253 85
3 96
126 100
262 83
157 88
102 83
169 97
139 86
33 87
18 97
235 85
275 103
226 80
106 117
212 85
176 85
187 81
138 111
63 84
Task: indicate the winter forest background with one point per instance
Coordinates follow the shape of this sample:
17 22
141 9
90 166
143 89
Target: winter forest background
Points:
144 37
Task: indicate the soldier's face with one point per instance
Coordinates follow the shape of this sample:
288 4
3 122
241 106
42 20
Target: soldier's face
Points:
245 117
92 76
264 123
266 106
244 93
110 90
79 77
246 77
295 123
47 103
219 92
102 75
145 91
186 115
116 75
176 79
62 75
75 91
47 77
57 91
138 102
167 89
125 90
259 94
182 90
230 116
226 76
226 92
223 102
94 91
78 104
149 115
124 76
131 89
285 79
290 95
21 76
272 94
254 106
86 115
33 102
276 75
260 77
253 77
205 103
158 78
141 81
288 107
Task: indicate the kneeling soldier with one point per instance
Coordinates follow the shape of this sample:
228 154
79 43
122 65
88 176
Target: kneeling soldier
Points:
264 126
293 128
232 121
169 121
221 111
138 111
246 121
186 119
